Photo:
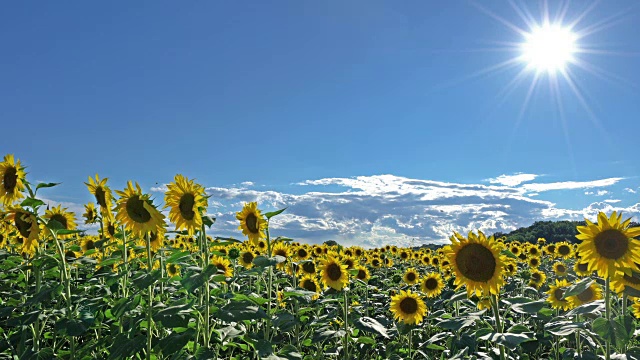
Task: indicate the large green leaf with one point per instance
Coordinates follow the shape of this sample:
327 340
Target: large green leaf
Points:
240 310
31 202
612 330
173 343
509 340
577 288
531 307
271 214
176 316
371 325
457 323
125 348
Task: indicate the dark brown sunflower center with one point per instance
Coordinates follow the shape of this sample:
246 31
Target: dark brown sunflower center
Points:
280 252
435 261
612 244
222 267
362 274
334 272
510 267
309 267
69 254
404 255
586 295
583 266
136 211
431 284
409 305
411 277
186 206
262 244
561 268
61 219
375 262
89 245
558 294
348 252
533 251
309 285
564 250
349 263
22 224
247 257
111 229
302 253
252 223
551 248
101 197
536 277
476 262
10 179
533 262
172 269
358 252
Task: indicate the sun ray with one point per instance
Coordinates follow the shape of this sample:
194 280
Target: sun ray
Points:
500 19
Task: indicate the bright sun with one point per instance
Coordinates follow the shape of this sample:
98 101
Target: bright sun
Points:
549 48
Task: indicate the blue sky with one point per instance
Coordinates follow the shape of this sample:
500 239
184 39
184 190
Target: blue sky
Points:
285 93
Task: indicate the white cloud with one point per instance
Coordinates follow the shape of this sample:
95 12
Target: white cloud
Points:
630 190
612 201
513 180
571 185
247 183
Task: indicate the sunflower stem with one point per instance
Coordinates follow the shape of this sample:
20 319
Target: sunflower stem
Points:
346 324
36 334
607 303
207 289
269 285
150 299
578 344
496 314
410 343
67 283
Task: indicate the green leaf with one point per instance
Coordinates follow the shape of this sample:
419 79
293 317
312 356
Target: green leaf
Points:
271 214
196 280
610 330
366 340
46 185
176 257
125 348
457 323
68 232
633 353
31 202
529 308
508 254
144 281
588 308
577 288
630 291
509 340
371 325
71 327
176 316
54 225
240 310
125 304
262 261
208 221
290 352
175 341
629 326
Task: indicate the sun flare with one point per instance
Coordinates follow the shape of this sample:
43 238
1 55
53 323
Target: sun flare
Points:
549 48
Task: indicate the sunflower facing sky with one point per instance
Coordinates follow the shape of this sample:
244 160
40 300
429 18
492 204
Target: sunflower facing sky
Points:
477 263
408 307
136 211
102 193
608 245
252 224
187 201
12 179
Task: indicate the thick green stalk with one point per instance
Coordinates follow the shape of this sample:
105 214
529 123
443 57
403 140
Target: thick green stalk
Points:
67 283
150 299
269 286
496 314
346 324
607 303
207 289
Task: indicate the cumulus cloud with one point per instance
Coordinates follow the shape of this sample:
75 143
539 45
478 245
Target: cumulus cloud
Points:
630 190
513 180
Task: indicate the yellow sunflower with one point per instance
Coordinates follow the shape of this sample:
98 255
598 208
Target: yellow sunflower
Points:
555 295
90 214
12 179
564 250
309 283
477 263
156 239
309 267
408 307
620 280
432 285
223 265
349 261
608 245
635 308
560 269
136 211
246 259
592 293
302 253
550 250
375 262
484 303
88 244
334 273
534 262
581 268
537 279
542 241
411 276
173 270
515 248
109 228
510 267
252 223
363 273
25 222
102 193
63 217
533 250
187 201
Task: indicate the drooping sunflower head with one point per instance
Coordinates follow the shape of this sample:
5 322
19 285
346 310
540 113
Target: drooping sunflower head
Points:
223 265
432 285
187 201
537 279
12 179
63 217
334 273
560 269
608 245
24 221
411 276
90 213
136 211
556 292
408 307
477 263
101 191
252 223
620 280
592 293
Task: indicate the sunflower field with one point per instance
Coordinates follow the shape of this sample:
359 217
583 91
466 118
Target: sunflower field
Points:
142 288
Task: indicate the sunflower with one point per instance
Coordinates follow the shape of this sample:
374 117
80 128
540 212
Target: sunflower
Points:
375 262
137 212
533 250
252 223
477 263
408 307
309 283
173 270
560 269
334 274
246 259
435 261
187 201
102 193
515 248
609 245
555 295
223 265
90 214
550 250
363 273
426 260
564 250
109 230
620 280
349 261
309 267
592 293
12 179
581 268
537 279
25 222
432 285
484 303
542 241
405 254
88 244
387 262
411 276
156 239
510 268
534 262
302 253
63 217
